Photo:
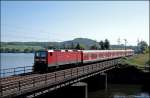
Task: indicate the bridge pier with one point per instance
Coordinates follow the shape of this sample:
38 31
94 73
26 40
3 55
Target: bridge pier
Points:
77 90
97 82
80 90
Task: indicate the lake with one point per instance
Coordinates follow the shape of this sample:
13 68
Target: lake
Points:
12 60
9 61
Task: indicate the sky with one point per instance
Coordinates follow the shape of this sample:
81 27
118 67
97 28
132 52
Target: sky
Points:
65 20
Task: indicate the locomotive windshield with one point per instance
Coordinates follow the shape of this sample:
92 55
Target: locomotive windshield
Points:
40 54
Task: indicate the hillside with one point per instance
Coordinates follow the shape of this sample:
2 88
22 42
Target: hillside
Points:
87 43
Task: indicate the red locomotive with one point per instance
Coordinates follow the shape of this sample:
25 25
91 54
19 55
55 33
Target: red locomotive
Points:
56 59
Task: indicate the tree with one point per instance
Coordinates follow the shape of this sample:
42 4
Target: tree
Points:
101 43
26 50
32 50
64 46
72 45
2 50
147 50
106 44
7 50
18 51
93 47
142 46
80 47
13 50
51 47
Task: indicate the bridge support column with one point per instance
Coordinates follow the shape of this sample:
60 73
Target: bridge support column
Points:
80 90
106 81
77 90
97 82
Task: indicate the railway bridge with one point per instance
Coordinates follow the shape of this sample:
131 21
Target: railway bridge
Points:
32 85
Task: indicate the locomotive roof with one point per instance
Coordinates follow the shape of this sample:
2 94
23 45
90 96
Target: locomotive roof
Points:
63 50
90 50
102 50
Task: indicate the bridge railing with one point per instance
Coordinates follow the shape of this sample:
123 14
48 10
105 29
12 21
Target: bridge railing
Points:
15 71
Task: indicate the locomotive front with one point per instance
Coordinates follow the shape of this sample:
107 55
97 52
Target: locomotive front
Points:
40 61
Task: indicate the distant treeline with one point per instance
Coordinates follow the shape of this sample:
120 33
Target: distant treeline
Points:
20 47
78 43
13 50
29 48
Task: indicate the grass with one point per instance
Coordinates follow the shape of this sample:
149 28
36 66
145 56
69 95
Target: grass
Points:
138 60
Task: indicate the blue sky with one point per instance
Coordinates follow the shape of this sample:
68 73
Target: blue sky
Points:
66 20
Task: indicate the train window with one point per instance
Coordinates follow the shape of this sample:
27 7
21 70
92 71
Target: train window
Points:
37 54
43 54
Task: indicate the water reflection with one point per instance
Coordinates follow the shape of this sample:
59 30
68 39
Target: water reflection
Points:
120 91
141 95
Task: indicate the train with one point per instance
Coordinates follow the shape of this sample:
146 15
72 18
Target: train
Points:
51 60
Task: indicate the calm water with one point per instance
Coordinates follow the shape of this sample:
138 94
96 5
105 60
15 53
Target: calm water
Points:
11 60
120 91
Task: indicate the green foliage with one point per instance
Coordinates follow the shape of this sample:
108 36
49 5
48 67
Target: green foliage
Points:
148 62
51 47
147 50
79 47
106 44
94 47
27 50
82 47
72 45
63 46
101 43
142 46
13 47
138 60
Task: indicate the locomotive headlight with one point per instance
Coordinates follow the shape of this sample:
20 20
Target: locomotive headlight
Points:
40 60
37 59
43 60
